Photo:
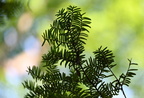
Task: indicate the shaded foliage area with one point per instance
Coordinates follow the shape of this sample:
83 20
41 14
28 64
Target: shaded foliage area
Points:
9 9
67 36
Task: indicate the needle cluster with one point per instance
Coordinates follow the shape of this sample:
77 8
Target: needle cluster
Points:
67 36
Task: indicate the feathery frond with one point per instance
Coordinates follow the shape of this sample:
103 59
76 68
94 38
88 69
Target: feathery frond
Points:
67 36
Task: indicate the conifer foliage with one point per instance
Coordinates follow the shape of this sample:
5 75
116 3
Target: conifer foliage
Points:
66 37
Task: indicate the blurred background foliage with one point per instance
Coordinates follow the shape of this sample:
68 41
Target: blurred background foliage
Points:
116 24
